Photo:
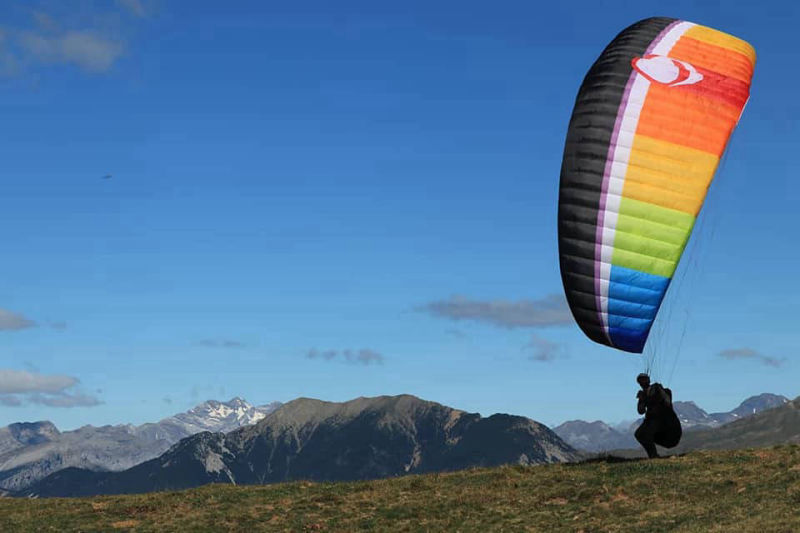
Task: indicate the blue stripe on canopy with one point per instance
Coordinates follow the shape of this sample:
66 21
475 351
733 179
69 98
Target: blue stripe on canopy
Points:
633 301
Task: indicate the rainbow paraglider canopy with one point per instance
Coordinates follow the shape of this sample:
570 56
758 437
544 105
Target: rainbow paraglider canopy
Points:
650 123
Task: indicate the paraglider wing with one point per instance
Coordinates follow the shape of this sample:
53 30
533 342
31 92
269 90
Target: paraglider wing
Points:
651 121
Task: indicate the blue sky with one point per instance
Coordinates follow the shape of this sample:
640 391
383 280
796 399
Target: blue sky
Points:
350 200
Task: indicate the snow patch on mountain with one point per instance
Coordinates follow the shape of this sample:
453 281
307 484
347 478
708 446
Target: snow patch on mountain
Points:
32 451
221 417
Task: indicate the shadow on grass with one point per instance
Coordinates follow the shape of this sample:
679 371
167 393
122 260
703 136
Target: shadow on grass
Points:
611 459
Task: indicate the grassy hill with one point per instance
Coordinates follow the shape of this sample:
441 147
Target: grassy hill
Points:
743 490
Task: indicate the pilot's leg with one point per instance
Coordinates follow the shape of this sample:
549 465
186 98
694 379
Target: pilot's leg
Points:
645 435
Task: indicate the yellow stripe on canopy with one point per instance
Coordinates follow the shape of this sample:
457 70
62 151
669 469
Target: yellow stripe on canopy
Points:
668 175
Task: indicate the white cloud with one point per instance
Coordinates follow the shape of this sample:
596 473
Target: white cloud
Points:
18 387
22 381
549 311
85 49
134 6
10 321
542 350
457 333
363 356
93 37
221 343
65 399
749 353
9 63
10 401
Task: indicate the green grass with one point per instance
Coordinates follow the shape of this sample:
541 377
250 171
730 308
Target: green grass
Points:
746 490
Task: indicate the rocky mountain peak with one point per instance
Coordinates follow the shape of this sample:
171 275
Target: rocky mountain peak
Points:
364 438
597 436
33 432
31 451
758 403
22 434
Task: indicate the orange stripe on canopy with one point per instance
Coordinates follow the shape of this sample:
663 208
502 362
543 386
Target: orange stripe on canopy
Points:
687 118
722 61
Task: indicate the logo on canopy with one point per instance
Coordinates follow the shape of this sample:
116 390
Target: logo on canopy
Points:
666 70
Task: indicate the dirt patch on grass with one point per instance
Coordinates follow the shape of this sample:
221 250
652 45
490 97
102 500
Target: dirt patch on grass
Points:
124 524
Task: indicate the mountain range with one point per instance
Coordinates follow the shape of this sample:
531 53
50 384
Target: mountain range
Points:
599 436
310 439
779 425
31 451
361 439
